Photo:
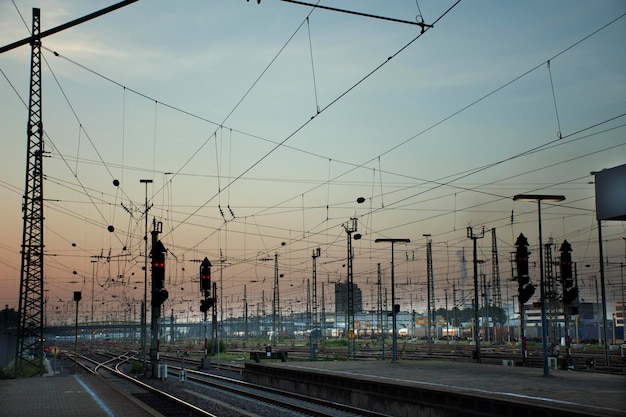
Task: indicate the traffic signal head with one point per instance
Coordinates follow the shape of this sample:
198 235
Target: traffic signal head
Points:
566 263
570 295
521 259
205 275
159 297
158 266
525 293
206 304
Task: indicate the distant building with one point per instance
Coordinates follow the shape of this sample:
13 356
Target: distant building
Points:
341 299
585 326
619 314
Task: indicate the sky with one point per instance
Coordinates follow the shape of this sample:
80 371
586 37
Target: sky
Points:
262 124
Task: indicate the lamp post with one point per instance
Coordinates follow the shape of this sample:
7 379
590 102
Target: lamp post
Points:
544 337
471 235
394 345
430 293
77 297
145 275
621 271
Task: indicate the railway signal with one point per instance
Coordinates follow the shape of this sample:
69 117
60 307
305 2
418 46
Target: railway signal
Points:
158 265
570 292
206 304
525 289
159 294
205 275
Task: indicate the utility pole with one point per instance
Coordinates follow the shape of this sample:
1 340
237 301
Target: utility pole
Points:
30 327
350 228
245 313
31 323
145 274
323 314
495 271
430 289
551 293
316 254
471 235
308 304
215 342
276 325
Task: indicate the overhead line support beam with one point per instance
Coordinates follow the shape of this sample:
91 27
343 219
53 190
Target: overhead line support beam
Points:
39 36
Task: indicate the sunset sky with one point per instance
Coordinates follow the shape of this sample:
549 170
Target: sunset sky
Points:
261 125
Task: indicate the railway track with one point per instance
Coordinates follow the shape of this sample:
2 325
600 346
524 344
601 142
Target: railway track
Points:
164 403
304 405
207 394
588 361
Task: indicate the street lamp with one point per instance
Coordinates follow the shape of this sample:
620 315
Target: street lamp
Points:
539 198
394 345
77 297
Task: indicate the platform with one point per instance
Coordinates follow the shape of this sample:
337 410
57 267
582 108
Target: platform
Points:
475 388
76 395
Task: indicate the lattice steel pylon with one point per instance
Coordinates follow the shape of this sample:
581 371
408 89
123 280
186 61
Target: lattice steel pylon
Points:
30 329
552 297
430 289
351 332
495 270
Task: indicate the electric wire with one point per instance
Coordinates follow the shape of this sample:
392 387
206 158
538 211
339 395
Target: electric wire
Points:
301 194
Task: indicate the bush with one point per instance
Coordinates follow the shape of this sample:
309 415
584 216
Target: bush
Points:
6 373
336 342
222 347
136 367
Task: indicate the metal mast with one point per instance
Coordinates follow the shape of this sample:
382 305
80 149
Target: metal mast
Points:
245 313
323 314
30 328
495 269
379 301
350 228
552 296
430 284
316 254
276 325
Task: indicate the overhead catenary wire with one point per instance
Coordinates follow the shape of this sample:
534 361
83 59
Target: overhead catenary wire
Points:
356 13
300 194
302 126
308 26
556 109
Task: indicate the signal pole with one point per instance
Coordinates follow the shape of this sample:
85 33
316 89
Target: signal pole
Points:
430 290
316 254
159 295
145 274
208 302
276 324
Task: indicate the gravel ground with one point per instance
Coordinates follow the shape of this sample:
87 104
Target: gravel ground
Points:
216 401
